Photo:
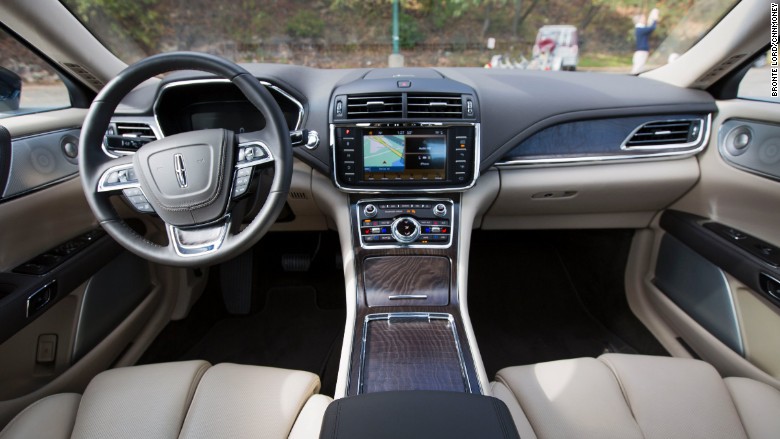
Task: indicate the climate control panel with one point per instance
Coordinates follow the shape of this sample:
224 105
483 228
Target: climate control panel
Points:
405 222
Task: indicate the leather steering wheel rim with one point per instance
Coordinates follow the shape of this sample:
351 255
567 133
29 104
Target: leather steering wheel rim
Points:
93 162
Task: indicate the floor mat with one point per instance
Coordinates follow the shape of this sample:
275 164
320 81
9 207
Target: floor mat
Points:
291 332
525 306
296 319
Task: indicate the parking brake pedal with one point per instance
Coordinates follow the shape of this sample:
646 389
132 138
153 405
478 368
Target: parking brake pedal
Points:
236 282
296 262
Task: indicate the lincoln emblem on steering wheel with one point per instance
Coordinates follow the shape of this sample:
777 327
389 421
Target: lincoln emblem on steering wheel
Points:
181 176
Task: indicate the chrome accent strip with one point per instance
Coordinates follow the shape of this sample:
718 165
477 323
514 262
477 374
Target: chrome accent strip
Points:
313 140
27 303
408 297
773 279
296 102
668 146
412 315
392 246
104 187
186 251
617 158
397 190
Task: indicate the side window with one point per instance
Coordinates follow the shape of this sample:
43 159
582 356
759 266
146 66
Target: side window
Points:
27 83
759 82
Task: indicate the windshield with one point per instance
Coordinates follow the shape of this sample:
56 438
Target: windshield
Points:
613 35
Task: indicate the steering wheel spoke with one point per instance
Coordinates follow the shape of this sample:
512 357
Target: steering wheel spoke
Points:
117 178
197 241
124 178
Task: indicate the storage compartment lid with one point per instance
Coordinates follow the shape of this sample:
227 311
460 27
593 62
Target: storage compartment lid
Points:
418 414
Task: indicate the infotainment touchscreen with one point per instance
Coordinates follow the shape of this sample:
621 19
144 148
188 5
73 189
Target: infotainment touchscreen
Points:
404 155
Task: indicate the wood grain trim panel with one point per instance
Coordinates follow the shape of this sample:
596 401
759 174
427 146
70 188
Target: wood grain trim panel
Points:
388 276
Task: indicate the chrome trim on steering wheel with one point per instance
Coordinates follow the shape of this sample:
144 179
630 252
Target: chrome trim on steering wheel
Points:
125 178
256 159
210 240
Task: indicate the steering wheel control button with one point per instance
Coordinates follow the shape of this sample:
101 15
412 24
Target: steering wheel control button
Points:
243 178
138 200
253 153
118 178
127 176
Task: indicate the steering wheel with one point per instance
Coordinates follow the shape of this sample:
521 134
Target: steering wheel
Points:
190 180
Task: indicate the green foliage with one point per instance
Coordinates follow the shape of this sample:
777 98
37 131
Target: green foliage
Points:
242 24
408 31
139 19
305 24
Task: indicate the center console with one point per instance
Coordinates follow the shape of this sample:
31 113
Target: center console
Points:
409 328
405 147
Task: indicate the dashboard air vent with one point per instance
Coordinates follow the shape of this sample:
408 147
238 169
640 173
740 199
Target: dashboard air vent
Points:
388 106
128 137
667 133
434 106
133 129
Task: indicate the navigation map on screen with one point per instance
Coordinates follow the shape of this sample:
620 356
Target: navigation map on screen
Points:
404 156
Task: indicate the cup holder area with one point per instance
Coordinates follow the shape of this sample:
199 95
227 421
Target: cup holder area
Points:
411 351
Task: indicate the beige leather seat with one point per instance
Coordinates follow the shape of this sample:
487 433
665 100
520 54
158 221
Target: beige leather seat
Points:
180 400
635 396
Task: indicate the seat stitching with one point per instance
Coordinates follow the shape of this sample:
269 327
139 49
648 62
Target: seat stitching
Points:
191 393
623 391
307 396
736 407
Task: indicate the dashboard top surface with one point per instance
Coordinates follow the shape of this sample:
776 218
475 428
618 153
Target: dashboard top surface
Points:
512 106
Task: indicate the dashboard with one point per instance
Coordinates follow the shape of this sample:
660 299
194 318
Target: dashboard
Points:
423 130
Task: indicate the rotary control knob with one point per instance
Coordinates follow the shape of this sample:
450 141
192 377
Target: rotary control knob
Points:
440 210
369 211
405 230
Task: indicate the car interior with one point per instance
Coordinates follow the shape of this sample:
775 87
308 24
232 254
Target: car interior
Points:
191 247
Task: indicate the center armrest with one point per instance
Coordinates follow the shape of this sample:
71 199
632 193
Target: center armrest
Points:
418 414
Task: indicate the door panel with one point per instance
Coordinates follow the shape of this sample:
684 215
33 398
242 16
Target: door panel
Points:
41 160
72 301
700 289
729 222
760 320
